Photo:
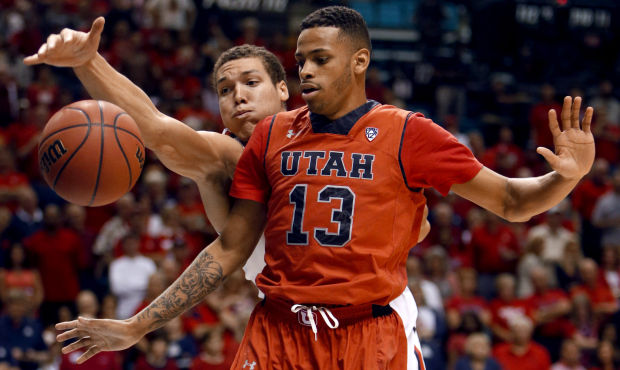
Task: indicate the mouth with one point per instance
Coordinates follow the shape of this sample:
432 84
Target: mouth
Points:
308 90
241 113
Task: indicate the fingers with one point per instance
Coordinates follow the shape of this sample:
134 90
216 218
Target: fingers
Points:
84 342
548 155
587 120
68 335
32 60
574 114
88 354
97 28
53 41
66 35
566 113
66 325
554 126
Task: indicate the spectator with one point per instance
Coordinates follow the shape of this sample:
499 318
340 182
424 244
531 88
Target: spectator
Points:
432 295
466 301
28 217
554 235
521 352
539 116
606 129
11 179
606 214
173 15
529 261
430 326
495 249
584 197
550 311
604 358
506 307
438 271
596 289
116 227
567 269
129 276
569 357
586 325
249 32
156 356
181 347
212 356
446 233
19 275
57 252
505 157
478 351
611 270
7 234
21 335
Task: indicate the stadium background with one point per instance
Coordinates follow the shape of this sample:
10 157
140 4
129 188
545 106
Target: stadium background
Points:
488 71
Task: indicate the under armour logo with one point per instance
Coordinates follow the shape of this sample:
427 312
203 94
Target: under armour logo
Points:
250 365
304 319
290 134
371 133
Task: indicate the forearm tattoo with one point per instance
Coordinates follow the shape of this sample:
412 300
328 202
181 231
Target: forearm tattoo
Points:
202 277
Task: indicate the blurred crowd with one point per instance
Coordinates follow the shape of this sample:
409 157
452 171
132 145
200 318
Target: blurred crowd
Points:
491 295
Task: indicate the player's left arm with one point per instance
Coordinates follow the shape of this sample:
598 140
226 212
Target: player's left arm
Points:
518 199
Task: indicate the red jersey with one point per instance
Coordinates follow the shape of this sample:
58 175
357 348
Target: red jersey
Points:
344 198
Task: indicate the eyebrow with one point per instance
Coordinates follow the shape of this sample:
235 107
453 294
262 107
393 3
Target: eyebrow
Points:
244 73
314 51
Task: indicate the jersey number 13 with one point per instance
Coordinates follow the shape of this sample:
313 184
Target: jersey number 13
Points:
342 215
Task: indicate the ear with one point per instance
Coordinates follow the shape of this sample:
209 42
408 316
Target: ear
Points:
361 60
282 91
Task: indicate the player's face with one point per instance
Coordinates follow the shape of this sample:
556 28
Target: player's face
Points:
325 71
246 95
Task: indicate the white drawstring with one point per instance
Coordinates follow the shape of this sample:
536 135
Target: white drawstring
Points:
326 314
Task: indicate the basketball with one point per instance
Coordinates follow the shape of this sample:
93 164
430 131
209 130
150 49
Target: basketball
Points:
91 153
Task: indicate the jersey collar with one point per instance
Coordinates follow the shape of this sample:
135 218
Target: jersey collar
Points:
342 125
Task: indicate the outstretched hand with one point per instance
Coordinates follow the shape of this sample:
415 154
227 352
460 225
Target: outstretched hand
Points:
69 48
96 335
574 144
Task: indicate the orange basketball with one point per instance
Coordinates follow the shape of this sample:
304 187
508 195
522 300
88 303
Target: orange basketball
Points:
91 153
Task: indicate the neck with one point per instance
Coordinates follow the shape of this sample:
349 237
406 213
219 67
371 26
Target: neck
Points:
357 98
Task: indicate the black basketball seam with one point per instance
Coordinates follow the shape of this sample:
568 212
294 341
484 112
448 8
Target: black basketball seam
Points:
92 199
86 124
123 151
64 165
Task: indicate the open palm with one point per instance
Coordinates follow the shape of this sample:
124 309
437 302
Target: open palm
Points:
574 143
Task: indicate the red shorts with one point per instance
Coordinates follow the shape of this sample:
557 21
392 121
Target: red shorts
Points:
366 338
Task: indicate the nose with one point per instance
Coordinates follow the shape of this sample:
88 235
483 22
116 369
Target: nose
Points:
306 71
240 94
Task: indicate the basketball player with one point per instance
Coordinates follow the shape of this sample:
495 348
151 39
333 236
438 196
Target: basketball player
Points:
250 86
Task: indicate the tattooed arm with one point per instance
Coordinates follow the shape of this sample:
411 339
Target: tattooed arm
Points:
204 275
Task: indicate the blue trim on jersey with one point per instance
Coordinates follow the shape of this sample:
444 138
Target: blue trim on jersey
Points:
268 137
400 162
342 125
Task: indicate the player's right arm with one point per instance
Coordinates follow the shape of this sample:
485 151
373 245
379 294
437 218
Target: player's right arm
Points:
206 157
206 273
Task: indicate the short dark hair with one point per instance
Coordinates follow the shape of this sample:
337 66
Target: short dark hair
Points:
271 63
350 22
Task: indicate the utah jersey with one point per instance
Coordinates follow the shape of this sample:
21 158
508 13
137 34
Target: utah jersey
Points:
344 199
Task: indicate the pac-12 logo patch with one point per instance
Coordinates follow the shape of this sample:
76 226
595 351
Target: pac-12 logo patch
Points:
371 133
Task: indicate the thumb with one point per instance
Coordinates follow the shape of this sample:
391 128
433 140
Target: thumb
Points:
548 155
96 29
